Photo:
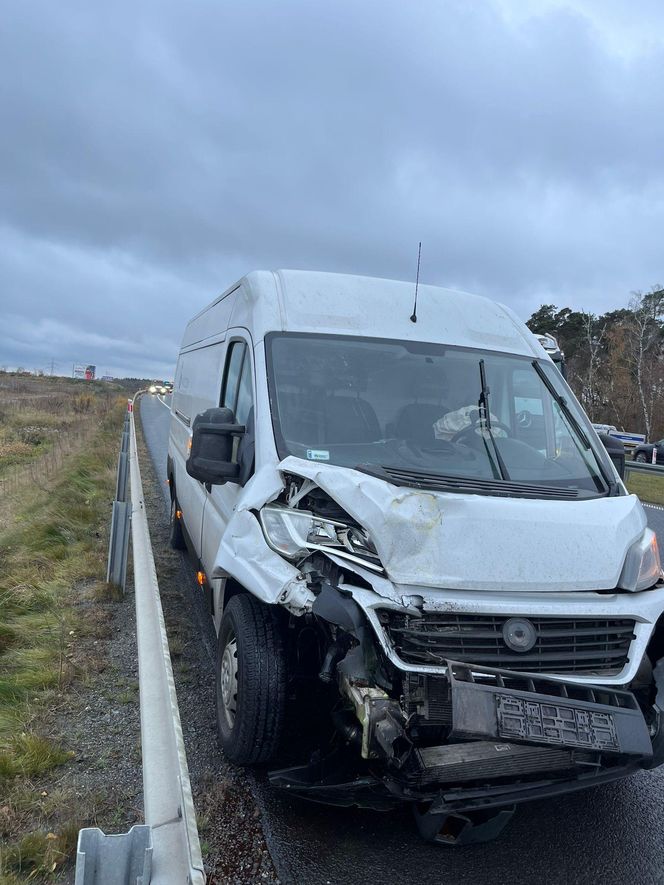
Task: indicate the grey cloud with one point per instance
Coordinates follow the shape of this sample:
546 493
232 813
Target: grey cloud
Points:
157 151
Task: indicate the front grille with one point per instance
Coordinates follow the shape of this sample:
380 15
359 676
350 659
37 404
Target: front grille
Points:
585 646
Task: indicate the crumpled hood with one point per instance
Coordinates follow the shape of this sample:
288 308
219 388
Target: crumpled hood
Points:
477 542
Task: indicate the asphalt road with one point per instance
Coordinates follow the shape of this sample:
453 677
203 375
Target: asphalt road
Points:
610 834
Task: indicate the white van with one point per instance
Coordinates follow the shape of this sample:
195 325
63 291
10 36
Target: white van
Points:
415 550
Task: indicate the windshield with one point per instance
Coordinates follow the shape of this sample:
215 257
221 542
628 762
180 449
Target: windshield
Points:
406 410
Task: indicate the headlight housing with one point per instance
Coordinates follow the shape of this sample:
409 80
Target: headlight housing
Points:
642 568
295 533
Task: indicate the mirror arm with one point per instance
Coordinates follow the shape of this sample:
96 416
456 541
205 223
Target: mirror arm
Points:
223 429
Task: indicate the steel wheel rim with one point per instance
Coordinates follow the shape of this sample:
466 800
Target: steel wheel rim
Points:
228 680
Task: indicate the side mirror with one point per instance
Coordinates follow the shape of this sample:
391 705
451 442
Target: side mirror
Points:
210 458
616 451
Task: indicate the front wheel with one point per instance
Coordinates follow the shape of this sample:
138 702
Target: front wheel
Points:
250 681
641 458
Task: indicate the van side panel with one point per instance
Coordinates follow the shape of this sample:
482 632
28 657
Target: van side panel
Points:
212 321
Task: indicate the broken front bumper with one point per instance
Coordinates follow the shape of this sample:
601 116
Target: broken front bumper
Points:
510 738
500 704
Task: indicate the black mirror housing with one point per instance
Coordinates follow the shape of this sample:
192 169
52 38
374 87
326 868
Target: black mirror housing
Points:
210 458
616 452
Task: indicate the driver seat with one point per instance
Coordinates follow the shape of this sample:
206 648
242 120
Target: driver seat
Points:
415 421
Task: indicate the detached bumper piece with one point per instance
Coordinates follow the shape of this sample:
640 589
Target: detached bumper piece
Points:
514 707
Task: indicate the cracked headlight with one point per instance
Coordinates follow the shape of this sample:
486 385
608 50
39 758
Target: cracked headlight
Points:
294 533
642 568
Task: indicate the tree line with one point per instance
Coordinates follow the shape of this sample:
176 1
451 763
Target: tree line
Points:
615 362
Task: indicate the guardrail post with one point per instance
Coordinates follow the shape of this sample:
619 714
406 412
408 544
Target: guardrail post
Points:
123 475
118 545
114 860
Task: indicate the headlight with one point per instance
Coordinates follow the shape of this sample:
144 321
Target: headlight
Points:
642 567
153 389
294 533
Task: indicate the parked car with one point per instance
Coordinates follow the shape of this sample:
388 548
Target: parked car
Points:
418 557
643 453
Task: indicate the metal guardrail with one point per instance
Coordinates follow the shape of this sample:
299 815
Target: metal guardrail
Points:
166 849
640 467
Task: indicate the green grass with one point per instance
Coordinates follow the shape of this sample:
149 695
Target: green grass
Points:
649 488
55 541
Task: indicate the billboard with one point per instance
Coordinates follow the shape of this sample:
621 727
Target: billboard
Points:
90 373
78 371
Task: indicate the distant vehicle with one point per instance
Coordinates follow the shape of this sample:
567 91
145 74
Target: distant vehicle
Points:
605 428
160 387
414 550
630 440
550 344
643 453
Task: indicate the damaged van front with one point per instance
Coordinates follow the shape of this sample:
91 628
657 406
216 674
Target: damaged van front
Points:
433 568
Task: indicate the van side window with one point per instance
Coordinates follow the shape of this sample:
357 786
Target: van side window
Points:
234 362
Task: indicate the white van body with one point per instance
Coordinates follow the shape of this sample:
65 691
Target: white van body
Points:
453 552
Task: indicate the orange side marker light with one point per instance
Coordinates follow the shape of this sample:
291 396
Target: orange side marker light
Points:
200 577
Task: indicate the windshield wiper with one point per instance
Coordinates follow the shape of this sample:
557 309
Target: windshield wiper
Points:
611 484
485 415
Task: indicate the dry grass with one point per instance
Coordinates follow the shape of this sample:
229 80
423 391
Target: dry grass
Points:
42 421
52 538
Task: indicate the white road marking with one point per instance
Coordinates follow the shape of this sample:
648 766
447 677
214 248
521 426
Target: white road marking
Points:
160 400
653 506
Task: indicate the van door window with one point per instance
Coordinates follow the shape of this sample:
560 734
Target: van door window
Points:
244 395
238 396
234 362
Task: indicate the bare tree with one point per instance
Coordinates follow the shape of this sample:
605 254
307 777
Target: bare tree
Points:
644 349
593 340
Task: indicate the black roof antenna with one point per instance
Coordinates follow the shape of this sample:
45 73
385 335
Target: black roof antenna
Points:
413 316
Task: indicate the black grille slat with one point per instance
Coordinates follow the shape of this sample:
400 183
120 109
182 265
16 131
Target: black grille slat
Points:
544 633
569 645
480 642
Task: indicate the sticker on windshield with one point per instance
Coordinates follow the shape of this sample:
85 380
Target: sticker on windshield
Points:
318 455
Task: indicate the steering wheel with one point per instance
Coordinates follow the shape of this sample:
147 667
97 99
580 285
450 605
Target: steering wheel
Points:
524 419
472 429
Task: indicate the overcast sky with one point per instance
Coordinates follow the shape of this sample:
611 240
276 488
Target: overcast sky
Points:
151 153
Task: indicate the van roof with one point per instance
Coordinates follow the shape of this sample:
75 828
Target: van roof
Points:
330 303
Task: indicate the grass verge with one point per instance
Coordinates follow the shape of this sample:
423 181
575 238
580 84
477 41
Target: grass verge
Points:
648 487
52 544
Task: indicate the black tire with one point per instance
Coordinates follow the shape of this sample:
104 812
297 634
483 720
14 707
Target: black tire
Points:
250 639
176 537
641 458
